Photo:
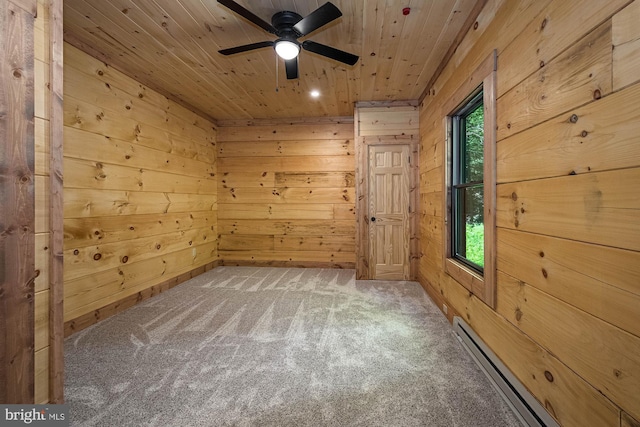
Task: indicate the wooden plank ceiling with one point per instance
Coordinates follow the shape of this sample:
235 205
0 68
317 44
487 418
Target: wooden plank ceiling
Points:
172 46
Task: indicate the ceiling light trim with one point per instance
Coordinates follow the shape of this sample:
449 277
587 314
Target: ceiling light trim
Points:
287 49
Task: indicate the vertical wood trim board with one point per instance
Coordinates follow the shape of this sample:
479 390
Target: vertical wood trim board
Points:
362 190
43 200
56 219
17 210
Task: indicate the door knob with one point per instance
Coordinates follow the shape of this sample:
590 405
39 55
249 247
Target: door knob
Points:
373 219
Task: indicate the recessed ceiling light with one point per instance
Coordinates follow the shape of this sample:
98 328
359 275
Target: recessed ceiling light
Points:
315 93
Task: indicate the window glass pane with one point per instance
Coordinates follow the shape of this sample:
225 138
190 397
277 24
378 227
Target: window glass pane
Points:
474 145
469 227
474 230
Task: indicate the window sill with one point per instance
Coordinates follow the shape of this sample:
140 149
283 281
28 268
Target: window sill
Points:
468 278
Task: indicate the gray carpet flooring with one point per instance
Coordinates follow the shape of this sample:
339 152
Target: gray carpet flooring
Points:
244 346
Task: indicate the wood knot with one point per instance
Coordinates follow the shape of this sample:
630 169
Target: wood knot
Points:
17 74
97 257
597 94
549 408
549 376
125 259
573 118
584 134
518 314
475 25
541 254
544 273
543 24
100 73
514 196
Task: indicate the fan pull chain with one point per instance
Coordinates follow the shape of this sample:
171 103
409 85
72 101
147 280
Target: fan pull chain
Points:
276 56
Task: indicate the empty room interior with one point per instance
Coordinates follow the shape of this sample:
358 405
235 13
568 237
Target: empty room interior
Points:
422 213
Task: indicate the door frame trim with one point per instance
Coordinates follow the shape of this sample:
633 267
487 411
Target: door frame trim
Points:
362 199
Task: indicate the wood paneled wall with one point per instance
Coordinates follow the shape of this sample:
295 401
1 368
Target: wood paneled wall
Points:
567 320
140 191
17 201
286 193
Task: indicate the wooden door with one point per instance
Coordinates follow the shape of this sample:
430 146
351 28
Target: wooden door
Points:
389 227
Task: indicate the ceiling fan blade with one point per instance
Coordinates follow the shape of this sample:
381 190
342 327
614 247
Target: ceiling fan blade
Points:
245 48
291 65
330 52
316 19
240 10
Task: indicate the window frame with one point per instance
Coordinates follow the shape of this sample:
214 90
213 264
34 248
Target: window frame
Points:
458 158
482 284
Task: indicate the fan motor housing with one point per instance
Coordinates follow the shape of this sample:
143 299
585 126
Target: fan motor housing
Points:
284 21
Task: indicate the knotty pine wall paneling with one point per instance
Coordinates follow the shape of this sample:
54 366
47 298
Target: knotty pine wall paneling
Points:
286 193
568 211
140 188
17 201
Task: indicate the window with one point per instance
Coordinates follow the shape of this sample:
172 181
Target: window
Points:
467 202
469 253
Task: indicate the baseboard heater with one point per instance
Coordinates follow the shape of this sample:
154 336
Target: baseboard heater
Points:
525 406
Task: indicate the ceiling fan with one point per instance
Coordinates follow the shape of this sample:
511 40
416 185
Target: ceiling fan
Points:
289 26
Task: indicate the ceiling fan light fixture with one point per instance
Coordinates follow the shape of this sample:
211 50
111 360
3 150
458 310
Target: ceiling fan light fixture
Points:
287 49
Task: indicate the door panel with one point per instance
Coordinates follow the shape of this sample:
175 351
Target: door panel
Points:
389 212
